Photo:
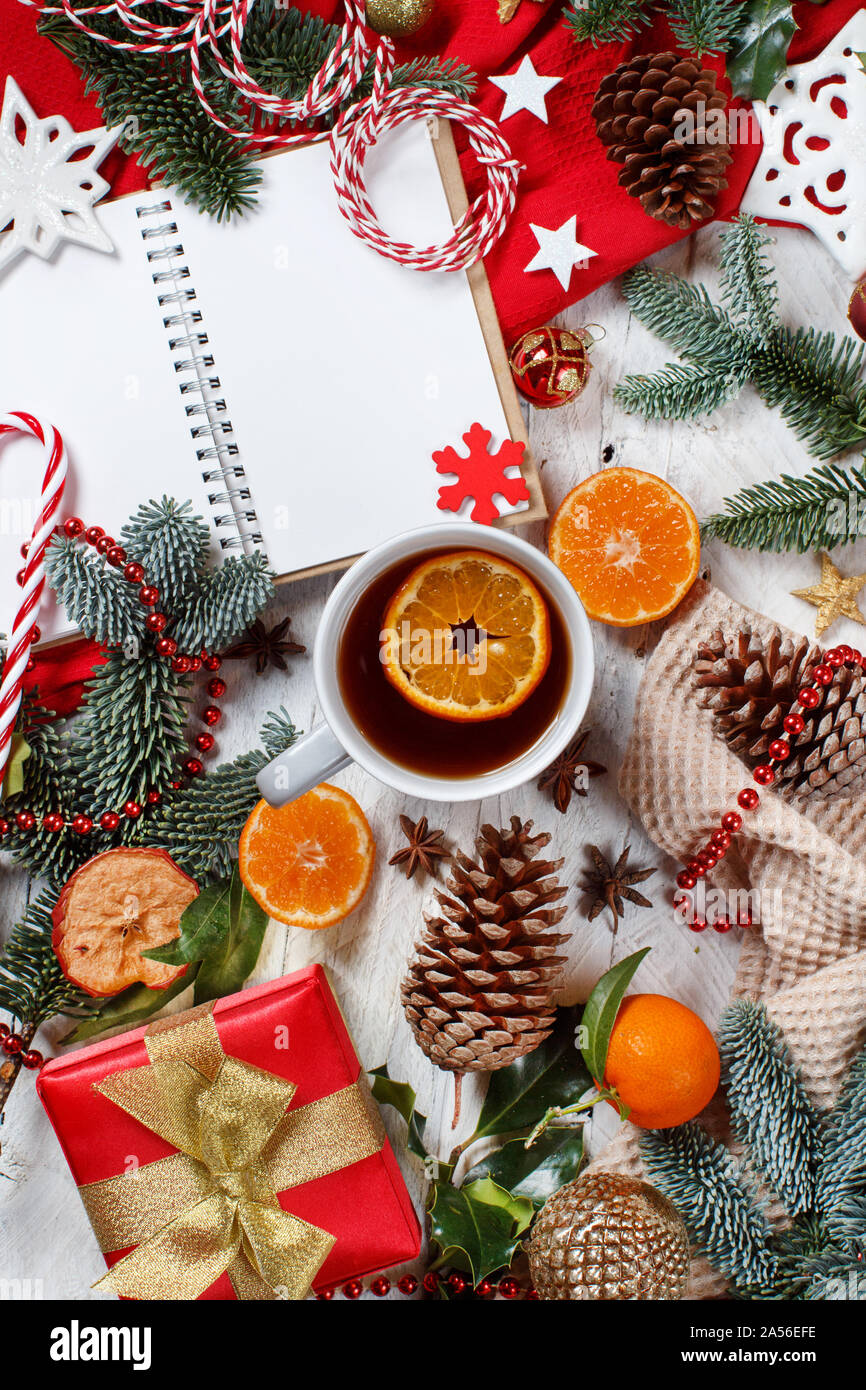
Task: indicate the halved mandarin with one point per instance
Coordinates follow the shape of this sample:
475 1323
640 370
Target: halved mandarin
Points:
466 636
308 863
628 543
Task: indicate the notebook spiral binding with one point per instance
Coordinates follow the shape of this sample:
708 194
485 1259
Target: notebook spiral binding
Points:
210 428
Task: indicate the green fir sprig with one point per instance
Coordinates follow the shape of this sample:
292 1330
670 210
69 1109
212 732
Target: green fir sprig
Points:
813 1162
824 509
151 98
813 378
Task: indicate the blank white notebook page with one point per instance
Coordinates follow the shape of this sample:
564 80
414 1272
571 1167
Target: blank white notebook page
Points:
83 347
342 371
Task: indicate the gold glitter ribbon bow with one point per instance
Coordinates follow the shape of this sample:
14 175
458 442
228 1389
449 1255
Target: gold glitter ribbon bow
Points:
212 1207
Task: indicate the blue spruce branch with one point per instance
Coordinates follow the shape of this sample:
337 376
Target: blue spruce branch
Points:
227 601
171 543
748 282
770 1111
841 1174
702 1180
97 599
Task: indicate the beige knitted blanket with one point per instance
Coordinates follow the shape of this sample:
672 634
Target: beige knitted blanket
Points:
807 961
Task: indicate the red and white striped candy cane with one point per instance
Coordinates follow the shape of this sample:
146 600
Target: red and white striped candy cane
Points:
33 577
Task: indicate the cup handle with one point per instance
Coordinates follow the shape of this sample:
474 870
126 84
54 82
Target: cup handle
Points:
313 759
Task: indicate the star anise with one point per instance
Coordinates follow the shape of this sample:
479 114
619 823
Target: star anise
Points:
269 646
425 847
567 772
608 886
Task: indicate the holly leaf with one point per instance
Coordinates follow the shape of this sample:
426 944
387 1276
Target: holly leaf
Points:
758 52
601 1010
129 1007
401 1095
480 1222
535 1174
223 928
553 1074
19 752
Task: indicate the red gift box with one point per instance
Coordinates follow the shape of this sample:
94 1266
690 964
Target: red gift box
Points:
293 1029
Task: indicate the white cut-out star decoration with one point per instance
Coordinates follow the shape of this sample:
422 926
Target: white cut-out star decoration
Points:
559 250
46 194
525 90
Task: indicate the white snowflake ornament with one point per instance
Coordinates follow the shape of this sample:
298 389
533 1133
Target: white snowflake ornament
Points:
812 168
46 193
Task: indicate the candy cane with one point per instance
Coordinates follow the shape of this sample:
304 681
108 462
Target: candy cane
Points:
33 576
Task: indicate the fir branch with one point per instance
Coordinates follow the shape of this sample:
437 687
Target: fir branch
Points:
49 785
701 1179
814 378
684 315
822 510
132 737
679 393
748 282
200 827
604 21
770 1111
171 543
227 601
32 986
704 26
841 1176
97 599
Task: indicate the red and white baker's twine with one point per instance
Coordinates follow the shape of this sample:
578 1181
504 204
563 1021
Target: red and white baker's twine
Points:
203 23
33 574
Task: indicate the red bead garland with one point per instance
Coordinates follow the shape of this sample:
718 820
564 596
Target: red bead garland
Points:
779 751
156 623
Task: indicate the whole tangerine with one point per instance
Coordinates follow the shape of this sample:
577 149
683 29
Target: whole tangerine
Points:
662 1061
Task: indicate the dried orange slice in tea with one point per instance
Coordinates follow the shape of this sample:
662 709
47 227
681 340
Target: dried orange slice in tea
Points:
466 636
629 543
309 863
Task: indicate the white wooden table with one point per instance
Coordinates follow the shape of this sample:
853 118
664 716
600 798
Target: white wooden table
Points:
44 1235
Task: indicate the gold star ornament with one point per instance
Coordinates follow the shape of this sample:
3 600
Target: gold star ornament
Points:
835 597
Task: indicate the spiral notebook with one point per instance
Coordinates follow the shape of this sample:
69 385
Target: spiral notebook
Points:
281 375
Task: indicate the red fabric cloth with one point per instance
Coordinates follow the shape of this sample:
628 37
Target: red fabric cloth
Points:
59 673
366 1205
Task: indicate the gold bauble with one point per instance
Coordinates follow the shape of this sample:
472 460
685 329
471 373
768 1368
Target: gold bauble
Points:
607 1237
397 18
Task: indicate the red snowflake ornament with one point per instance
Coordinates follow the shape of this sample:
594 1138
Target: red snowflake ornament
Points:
481 475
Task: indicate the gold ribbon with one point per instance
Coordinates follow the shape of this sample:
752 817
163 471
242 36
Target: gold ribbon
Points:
213 1207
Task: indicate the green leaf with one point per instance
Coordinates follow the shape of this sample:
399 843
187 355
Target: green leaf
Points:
130 1007
227 966
601 1010
758 53
479 1221
202 927
553 1074
402 1097
223 928
535 1174
19 752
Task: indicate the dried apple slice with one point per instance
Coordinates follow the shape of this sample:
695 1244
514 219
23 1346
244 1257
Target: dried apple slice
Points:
113 908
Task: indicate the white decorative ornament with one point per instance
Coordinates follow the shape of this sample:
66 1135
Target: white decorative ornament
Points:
46 194
559 250
525 90
812 168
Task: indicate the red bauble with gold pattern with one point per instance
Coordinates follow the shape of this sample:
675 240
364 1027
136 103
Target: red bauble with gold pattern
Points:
857 310
551 366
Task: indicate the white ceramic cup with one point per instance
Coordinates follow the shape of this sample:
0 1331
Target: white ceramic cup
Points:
338 741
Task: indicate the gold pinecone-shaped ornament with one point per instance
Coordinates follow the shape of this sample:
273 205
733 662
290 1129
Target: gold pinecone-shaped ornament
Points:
656 114
750 685
607 1237
479 990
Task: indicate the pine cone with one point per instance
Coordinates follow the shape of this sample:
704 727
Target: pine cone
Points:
750 686
478 993
609 1237
636 111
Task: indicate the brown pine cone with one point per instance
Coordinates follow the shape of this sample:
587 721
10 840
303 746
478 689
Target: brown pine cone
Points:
479 990
636 111
750 686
